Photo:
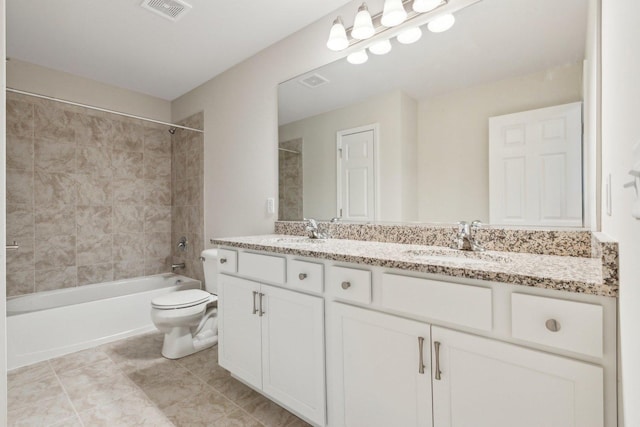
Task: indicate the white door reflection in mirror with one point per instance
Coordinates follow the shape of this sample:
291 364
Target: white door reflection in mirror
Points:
356 179
535 167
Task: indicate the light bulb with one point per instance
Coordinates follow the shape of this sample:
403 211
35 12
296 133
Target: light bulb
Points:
362 26
359 57
410 35
337 36
380 48
422 6
441 23
393 13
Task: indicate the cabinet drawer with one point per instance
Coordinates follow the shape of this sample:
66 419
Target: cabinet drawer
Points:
305 275
227 261
350 284
449 302
262 267
567 325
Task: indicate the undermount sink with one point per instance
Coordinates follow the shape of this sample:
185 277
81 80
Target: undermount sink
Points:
456 256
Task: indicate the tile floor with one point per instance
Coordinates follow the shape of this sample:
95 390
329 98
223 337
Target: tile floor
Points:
128 383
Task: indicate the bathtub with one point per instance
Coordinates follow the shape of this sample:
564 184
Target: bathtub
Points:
49 324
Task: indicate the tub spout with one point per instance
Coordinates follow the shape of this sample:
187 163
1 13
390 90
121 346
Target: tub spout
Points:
180 266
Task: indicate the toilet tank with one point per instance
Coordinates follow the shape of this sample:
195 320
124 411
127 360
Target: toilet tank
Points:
210 266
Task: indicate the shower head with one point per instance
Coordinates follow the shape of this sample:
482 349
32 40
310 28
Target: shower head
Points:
172 130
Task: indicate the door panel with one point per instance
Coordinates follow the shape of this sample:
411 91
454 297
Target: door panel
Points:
356 186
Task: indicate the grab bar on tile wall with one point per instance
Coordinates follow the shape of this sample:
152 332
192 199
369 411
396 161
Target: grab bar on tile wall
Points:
13 246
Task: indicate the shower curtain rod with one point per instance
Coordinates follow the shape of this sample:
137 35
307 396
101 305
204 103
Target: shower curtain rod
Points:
104 110
288 151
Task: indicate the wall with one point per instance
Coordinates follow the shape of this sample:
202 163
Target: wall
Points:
88 196
187 179
290 180
46 81
3 303
453 139
395 113
620 131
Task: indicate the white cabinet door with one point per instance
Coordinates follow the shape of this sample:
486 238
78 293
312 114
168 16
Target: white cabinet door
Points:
239 329
293 351
378 378
488 383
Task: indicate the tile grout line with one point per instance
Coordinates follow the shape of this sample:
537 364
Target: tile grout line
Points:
64 389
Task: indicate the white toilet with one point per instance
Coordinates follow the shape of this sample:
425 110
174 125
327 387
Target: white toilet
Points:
189 318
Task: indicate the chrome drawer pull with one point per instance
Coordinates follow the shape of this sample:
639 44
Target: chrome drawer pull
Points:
421 355
436 345
255 309
553 325
223 260
346 285
302 276
261 312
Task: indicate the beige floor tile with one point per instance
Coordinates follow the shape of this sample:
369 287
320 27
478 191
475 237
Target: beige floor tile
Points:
78 360
162 370
167 391
43 413
200 410
69 422
133 410
36 372
238 418
30 393
271 414
201 362
231 388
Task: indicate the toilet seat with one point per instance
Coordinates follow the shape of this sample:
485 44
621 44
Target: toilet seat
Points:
182 299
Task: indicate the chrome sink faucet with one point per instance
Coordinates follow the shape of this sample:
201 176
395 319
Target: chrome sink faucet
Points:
464 238
313 230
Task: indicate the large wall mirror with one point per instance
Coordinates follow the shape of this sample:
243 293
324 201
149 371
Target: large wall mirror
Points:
489 120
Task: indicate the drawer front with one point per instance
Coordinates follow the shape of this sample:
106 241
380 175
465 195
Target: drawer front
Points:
305 275
350 284
262 267
449 302
568 325
227 261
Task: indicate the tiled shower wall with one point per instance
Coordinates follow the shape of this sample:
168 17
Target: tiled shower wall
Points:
290 180
88 196
188 201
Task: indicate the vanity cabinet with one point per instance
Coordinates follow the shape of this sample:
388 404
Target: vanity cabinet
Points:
273 339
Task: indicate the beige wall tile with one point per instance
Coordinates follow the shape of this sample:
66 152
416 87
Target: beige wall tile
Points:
128 219
23 256
157 191
156 266
127 164
128 247
56 251
97 273
94 220
157 165
19 186
129 137
20 222
157 140
19 152
157 218
54 187
128 192
93 190
157 245
19 281
94 249
179 165
93 130
54 156
20 118
55 278
128 269
53 123
94 160
53 220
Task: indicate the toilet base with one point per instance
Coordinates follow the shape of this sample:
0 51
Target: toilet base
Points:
180 342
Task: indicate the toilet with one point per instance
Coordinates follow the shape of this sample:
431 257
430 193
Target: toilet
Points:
188 318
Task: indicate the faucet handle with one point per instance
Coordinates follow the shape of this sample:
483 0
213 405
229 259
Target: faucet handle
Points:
463 227
476 224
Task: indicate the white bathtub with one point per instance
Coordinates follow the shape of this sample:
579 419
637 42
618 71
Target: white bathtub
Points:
49 324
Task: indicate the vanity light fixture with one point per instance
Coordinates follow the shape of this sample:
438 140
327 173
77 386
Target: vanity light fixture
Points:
393 13
359 57
362 26
380 47
422 6
410 35
337 36
441 23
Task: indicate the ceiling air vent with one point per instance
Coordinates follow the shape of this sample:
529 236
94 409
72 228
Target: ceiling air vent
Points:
170 9
312 81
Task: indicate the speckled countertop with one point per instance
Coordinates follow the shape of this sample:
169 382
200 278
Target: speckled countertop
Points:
568 273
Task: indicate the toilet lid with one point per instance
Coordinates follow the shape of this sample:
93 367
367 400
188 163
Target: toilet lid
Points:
181 299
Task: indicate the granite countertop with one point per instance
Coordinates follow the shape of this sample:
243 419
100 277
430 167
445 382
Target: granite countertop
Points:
567 273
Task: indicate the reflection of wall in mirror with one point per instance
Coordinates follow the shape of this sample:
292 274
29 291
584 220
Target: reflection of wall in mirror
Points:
395 113
290 180
433 154
453 138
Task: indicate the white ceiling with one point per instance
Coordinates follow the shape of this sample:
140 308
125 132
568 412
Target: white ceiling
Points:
119 43
491 40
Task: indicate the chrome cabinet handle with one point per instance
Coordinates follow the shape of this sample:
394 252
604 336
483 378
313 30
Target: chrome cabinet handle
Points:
223 260
421 355
302 276
436 345
553 325
346 285
255 309
13 246
261 312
